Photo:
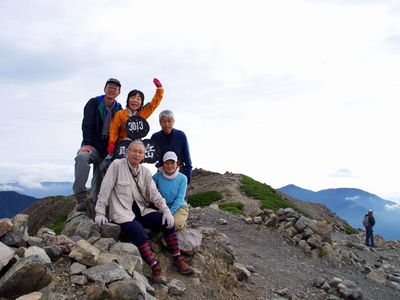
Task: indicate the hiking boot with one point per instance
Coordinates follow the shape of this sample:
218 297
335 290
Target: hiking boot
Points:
91 207
182 266
81 207
80 202
158 276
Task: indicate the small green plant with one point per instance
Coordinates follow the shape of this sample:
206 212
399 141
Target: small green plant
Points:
204 199
232 207
59 223
321 253
350 230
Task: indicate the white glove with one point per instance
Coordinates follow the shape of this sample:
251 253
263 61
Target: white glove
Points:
100 219
167 218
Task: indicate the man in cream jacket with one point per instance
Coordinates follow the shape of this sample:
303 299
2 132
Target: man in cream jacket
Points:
134 204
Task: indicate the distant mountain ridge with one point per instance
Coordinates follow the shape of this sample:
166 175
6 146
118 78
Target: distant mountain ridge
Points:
351 204
12 203
14 197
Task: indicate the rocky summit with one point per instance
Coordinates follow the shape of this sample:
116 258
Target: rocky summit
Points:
302 251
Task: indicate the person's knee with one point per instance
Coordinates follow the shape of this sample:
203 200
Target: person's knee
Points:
105 163
135 231
82 157
180 218
180 224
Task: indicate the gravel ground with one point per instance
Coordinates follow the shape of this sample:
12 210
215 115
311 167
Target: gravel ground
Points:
280 265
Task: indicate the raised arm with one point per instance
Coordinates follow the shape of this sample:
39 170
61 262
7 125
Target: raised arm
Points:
150 107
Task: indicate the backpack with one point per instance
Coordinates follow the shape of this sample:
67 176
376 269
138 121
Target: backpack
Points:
365 221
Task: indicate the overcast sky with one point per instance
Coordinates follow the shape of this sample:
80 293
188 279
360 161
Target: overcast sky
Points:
289 91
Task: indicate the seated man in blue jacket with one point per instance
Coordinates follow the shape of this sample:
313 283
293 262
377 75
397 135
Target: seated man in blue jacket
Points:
171 139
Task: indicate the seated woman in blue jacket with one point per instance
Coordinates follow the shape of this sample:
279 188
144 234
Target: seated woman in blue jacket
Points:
172 186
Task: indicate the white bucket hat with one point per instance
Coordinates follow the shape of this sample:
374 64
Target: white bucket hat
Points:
170 155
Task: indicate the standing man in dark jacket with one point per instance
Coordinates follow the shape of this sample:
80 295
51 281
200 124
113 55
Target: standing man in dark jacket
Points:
369 233
171 139
97 116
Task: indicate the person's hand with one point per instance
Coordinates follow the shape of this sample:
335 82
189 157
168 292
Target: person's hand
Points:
167 218
85 148
157 83
100 219
110 148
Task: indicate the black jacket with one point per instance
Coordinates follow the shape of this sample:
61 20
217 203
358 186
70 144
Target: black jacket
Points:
92 124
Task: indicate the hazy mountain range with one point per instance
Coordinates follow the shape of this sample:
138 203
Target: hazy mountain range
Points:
352 204
14 197
12 203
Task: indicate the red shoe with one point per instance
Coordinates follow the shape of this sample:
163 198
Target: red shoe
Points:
182 266
158 276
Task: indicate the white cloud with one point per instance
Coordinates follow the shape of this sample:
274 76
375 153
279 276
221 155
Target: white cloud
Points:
354 199
343 173
392 207
30 175
7 187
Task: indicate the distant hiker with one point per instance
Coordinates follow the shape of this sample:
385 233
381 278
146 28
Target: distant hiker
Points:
134 106
97 116
369 222
134 204
172 186
171 139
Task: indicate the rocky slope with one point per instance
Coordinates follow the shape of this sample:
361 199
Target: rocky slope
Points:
266 255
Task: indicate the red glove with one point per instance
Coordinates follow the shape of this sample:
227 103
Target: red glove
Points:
110 149
157 83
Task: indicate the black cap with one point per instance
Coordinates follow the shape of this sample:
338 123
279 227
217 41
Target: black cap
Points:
113 80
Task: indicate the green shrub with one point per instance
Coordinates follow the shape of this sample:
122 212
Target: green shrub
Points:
268 197
59 224
232 207
321 253
350 230
204 199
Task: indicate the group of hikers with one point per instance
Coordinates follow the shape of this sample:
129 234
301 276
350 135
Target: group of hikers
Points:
135 198
123 191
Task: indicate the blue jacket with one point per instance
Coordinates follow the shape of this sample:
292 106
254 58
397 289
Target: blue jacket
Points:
172 190
175 141
92 124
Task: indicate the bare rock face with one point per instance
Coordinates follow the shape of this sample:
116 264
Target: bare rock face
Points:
323 230
241 272
5 226
302 223
19 233
110 230
106 273
127 289
85 253
35 250
176 287
189 240
14 283
6 254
